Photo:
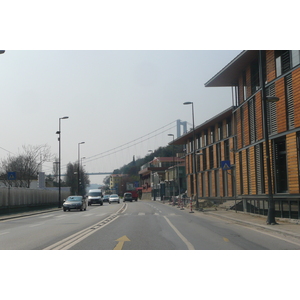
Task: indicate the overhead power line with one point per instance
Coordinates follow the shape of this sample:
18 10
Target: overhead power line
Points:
130 144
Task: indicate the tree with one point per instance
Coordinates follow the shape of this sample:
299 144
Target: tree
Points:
26 165
72 179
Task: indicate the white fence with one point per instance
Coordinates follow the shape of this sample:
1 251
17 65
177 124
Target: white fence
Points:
20 197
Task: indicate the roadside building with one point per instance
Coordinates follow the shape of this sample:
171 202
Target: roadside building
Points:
243 141
117 183
214 141
152 175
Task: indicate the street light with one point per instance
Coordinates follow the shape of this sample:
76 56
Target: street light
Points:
194 153
59 159
170 134
271 207
78 173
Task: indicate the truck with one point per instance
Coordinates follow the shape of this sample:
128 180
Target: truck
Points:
134 194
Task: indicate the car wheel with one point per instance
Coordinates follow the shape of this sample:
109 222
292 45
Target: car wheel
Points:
64 209
69 209
108 202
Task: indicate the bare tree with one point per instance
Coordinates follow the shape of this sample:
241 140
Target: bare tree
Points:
26 165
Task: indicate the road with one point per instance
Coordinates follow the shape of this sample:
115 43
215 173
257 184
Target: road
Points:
142 225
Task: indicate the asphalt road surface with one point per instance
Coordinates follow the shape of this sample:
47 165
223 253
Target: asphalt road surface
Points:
142 225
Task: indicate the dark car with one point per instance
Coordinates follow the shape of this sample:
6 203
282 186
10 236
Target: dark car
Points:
127 197
74 202
106 198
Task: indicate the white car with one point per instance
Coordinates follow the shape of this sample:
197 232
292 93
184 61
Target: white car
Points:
113 198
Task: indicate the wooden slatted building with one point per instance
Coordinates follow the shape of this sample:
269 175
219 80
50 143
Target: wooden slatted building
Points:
237 135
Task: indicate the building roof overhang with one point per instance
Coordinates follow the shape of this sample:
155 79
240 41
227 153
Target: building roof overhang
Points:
229 75
216 119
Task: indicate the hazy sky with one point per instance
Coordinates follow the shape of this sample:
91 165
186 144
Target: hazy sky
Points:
112 98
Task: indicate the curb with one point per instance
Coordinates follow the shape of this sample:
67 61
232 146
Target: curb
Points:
26 214
267 227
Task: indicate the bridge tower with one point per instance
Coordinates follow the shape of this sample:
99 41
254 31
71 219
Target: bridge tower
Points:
184 125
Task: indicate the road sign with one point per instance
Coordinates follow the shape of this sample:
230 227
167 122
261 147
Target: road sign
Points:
225 165
11 175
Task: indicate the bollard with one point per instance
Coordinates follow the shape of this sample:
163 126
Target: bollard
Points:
181 204
191 202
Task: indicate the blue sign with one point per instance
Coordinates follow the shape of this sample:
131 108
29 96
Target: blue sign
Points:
11 175
225 165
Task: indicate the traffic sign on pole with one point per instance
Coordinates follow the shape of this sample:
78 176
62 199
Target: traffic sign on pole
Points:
11 175
225 165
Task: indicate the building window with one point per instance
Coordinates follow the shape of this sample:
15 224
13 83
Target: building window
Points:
252 127
271 111
205 138
241 173
254 77
212 135
191 145
248 171
211 157
218 155
204 159
203 185
295 58
280 165
282 61
259 169
220 131
289 101
228 127
226 150
244 86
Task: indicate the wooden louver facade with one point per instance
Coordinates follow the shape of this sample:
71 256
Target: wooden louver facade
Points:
244 144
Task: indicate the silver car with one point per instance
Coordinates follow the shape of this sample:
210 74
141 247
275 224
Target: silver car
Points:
74 202
113 198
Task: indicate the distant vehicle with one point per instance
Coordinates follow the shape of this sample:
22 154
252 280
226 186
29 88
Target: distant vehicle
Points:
127 197
113 198
95 197
134 194
74 202
105 198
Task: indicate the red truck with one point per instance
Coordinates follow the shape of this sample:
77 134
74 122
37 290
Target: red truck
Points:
135 194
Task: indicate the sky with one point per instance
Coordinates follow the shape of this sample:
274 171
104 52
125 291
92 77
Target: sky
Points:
120 103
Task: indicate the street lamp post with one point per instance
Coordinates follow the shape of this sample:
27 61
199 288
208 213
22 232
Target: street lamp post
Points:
170 134
271 207
194 153
78 168
59 159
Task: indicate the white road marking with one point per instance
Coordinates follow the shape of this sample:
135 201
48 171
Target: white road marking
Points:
35 225
2 233
141 214
188 244
47 216
87 215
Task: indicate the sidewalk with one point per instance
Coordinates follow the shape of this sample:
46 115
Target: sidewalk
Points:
287 227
